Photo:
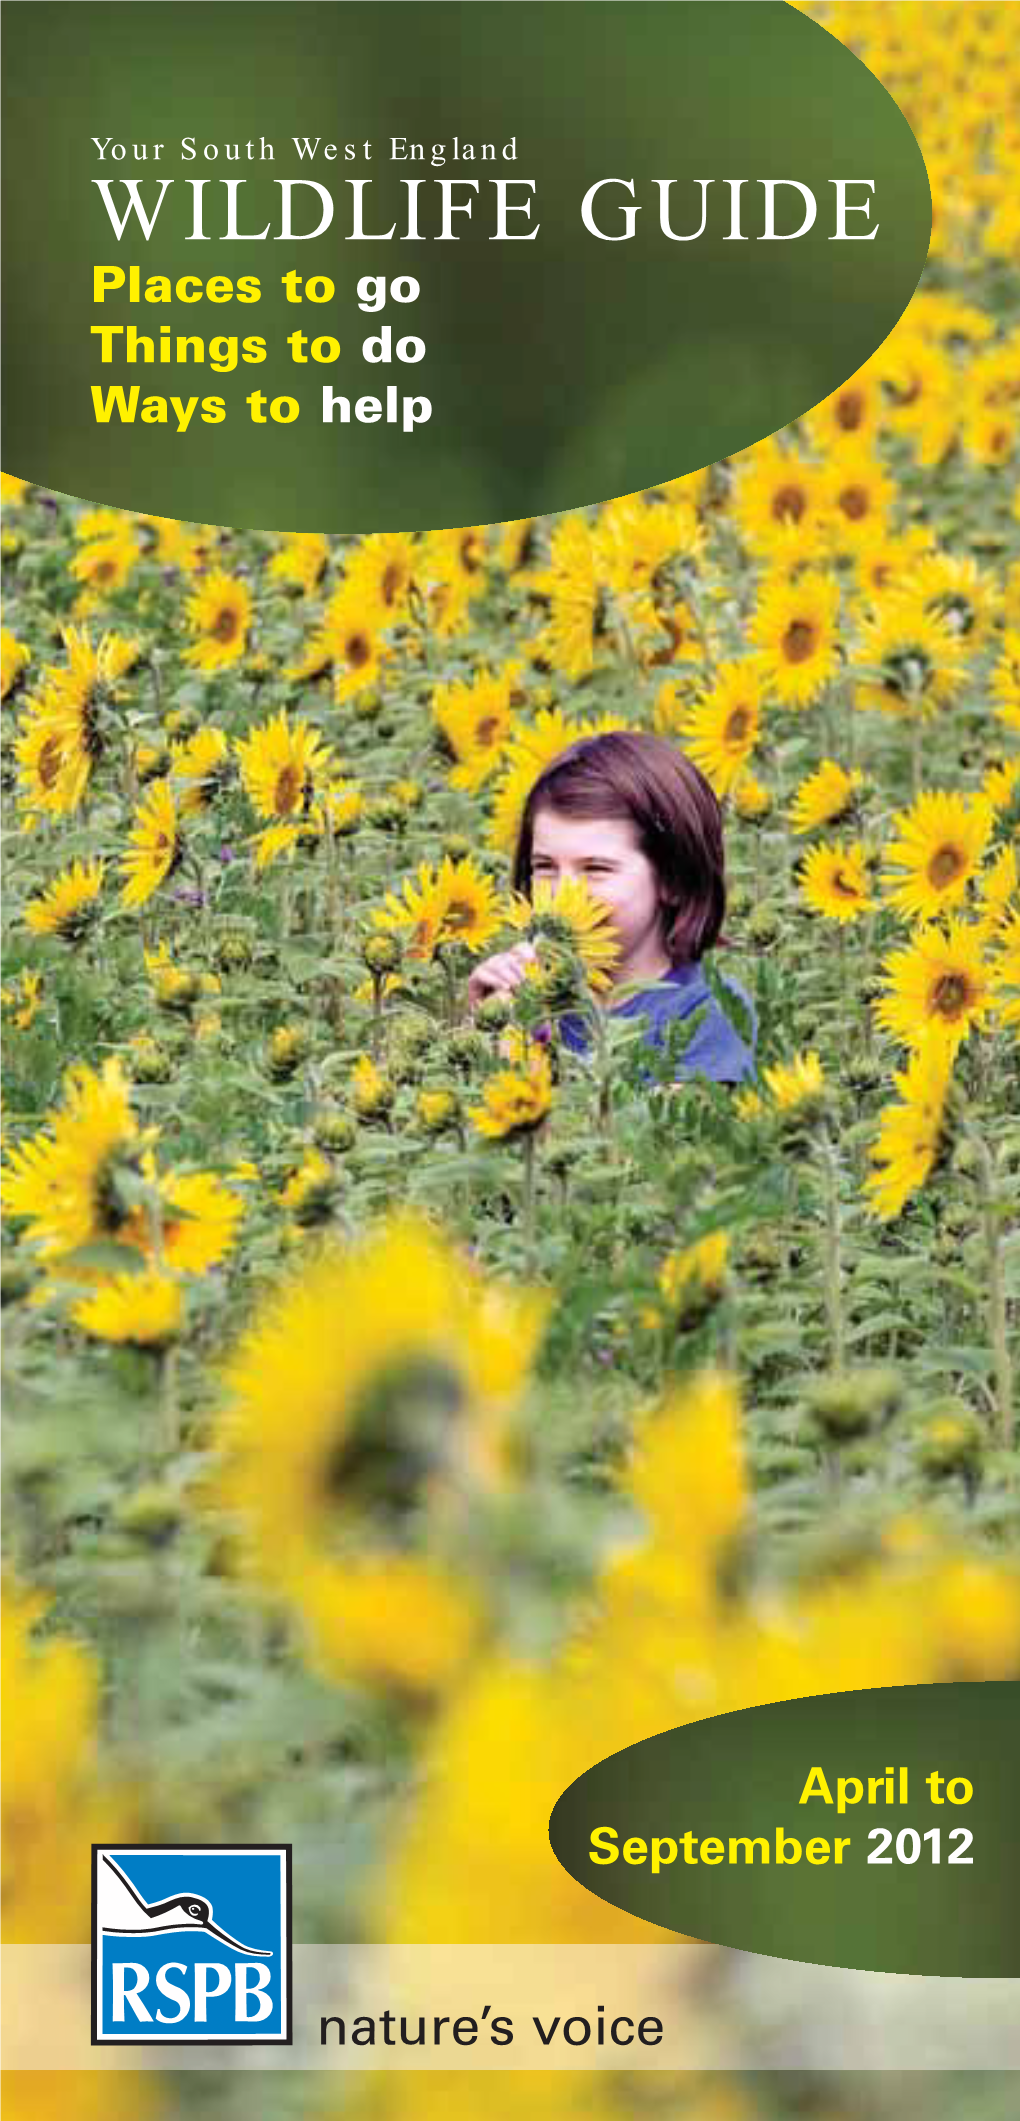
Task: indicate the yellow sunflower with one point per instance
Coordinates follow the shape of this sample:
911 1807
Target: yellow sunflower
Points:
476 720
939 982
795 629
14 656
382 571
353 630
913 659
451 569
57 744
281 764
796 1087
219 612
378 1376
301 561
569 913
145 1310
940 844
67 906
779 505
997 890
826 797
12 490
200 761
835 882
692 1279
198 1220
850 416
720 732
572 587
454 903
515 1100
63 1178
156 848
912 1134
752 801
105 565
857 494
955 589
25 998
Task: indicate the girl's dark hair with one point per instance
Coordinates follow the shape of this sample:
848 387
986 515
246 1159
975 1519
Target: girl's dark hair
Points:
629 773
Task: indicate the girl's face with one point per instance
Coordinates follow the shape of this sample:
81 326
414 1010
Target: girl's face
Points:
607 855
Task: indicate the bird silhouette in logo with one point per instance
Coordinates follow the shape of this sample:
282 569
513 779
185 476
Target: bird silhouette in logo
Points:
183 1911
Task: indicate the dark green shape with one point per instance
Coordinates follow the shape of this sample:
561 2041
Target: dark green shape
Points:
743 1775
560 371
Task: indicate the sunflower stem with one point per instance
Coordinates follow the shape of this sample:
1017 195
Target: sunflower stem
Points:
1002 1370
528 1152
833 1252
170 1420
377 1014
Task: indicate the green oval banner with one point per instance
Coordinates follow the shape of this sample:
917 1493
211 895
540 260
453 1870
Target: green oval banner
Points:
354 267
873 1830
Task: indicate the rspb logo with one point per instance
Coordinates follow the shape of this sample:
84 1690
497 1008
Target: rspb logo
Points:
191 1944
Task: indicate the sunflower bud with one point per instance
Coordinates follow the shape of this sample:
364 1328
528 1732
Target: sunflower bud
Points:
387 812
151 1515
849 1403
457 845
494 1013
147 1061
465 1049
965 1159
763 928
289 1045
175 987
371 1091
381 953
181 721
862 1074
235 950
16 1279
367 706
333 1129
952 1441
438 1110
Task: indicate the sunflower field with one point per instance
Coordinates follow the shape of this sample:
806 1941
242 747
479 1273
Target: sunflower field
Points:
394 1395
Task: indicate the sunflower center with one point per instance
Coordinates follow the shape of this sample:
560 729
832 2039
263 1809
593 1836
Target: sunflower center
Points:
850 410
486 729
50 761
460 913
906 674
357 651
395 1438
471 553
392 583
951 995
287 790
945 867
843 885
907 393
737 726
854 502
799 641
788 504
226 625
104 571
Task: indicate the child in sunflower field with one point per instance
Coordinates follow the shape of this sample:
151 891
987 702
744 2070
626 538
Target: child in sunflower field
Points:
640 824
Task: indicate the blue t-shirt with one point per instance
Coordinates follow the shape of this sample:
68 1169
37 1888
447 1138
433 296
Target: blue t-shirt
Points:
716 1049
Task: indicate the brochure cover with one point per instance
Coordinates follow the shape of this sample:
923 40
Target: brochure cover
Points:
511 1125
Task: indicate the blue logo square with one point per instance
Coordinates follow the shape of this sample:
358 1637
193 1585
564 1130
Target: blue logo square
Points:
191 1945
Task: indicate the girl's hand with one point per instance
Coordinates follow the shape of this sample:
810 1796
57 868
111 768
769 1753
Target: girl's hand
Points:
499 974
